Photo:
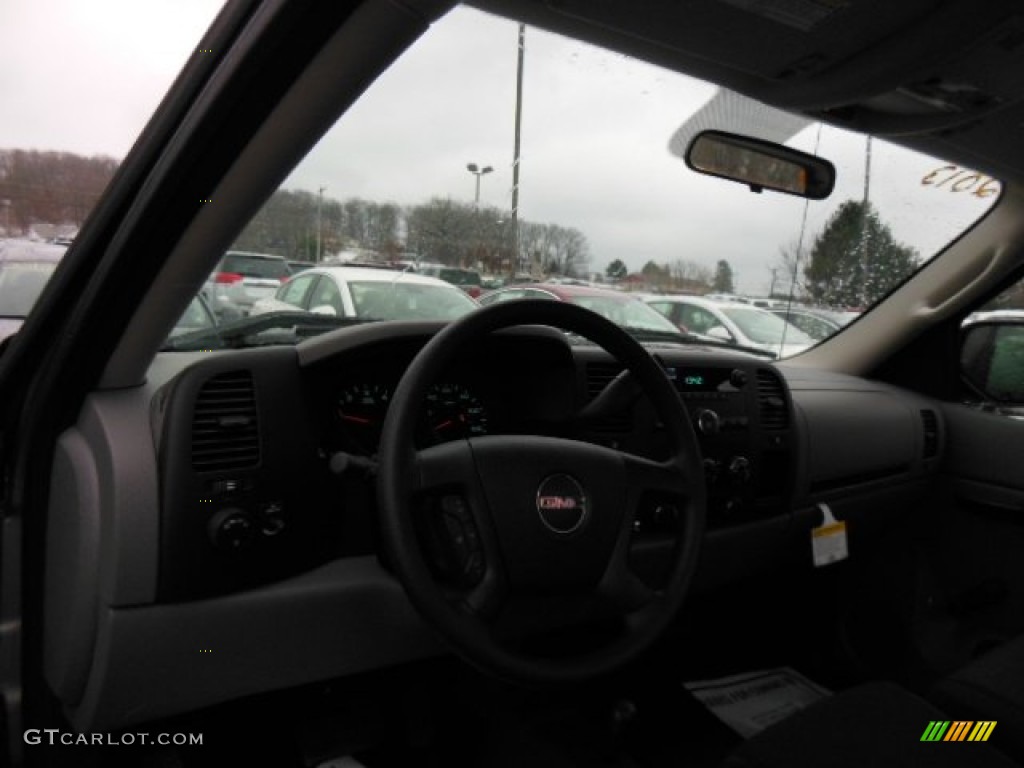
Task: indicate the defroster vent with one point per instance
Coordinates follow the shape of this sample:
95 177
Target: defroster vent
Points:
771 400
225 426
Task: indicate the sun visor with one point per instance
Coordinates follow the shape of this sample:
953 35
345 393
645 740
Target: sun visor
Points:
733 113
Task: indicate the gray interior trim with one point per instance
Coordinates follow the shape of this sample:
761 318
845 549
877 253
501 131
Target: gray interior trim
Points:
985 447
115 426
72 567
999 497
348 616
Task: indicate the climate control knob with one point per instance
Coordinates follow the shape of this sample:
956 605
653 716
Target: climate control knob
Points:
739 469
738 378
708 422
231 530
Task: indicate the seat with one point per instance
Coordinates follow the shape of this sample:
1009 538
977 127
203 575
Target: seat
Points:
990 688
876 724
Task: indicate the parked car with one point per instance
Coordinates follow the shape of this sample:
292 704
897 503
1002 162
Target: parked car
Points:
468 280
370 294
25 269
295 265
815 324
26 266
242 278
621 308
477 542
733 322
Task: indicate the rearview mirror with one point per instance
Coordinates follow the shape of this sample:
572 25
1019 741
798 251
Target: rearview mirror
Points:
761 164
992 359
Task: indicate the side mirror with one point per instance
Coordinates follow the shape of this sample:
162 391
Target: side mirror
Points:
721 333
761 164
992 359
324 309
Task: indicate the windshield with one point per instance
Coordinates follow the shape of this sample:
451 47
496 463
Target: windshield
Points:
764 327
408 301
531 157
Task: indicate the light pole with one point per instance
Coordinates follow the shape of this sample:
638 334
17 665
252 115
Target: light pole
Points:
319 220
478 172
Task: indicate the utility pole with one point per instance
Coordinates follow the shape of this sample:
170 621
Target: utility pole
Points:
515 152
319 220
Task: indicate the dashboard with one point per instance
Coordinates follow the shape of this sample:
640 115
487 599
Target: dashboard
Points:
250 520
282 456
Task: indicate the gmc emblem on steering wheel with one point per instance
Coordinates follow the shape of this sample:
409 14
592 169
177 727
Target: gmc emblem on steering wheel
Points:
561 504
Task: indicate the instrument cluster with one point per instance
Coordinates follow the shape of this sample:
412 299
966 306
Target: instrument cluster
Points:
451 411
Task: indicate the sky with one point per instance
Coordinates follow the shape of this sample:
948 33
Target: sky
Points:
84 75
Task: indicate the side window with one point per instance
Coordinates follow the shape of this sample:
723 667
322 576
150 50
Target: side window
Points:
697 319
328 295
294 292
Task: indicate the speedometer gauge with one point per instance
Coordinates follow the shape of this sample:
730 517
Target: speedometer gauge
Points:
454 412
361 409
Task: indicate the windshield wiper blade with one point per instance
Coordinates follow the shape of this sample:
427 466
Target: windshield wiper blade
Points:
239 333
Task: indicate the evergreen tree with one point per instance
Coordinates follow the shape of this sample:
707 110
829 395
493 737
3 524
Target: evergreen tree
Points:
616 270
723 280
855 259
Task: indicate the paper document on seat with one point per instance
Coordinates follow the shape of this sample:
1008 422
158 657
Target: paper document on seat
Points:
751 702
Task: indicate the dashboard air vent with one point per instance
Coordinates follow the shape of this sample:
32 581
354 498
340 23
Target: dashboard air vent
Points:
771 400
598 376
225 428
930 422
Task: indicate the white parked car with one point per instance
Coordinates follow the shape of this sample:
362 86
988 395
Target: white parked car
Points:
369 293
740 324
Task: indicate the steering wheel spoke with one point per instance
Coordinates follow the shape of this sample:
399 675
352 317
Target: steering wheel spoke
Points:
623 589
449 465
649 476
486 600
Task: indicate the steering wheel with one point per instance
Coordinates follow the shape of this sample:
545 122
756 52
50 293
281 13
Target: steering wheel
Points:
535 520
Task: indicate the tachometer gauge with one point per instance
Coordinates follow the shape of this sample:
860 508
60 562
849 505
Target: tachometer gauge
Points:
453 413
361 409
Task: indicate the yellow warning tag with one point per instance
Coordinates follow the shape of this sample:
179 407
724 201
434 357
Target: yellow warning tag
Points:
828 540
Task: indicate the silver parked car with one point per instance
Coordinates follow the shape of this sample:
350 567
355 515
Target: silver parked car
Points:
242 278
